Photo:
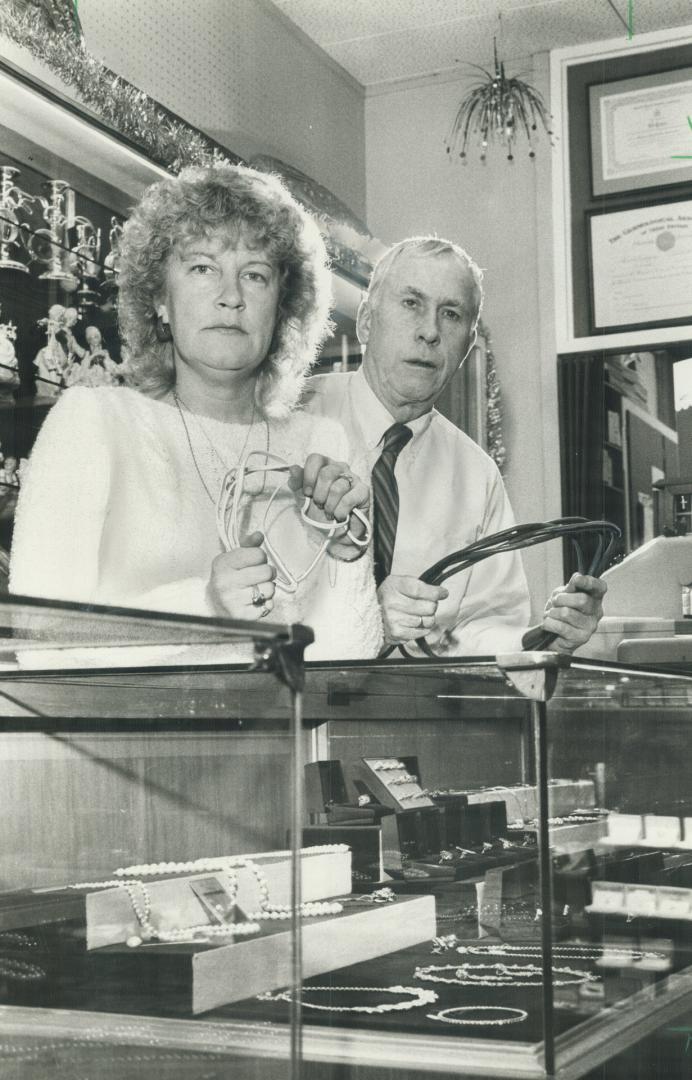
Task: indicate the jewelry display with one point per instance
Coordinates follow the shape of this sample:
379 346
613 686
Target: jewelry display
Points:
20 971
208 864
137 890
562 952
12 199
140 898
512 1016
379 896
407 778
500 975
419 997
16 940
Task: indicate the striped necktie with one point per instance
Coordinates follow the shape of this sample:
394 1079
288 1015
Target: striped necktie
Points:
386 498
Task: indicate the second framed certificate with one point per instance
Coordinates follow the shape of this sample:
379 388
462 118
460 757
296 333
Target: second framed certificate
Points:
641 266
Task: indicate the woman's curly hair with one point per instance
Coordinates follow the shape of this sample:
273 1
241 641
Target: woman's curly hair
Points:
194 204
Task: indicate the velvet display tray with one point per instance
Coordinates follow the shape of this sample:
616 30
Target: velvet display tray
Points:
76 979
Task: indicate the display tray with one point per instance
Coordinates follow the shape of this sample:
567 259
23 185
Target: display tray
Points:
117 981
575 1002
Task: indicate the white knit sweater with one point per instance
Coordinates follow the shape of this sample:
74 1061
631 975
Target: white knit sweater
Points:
113 511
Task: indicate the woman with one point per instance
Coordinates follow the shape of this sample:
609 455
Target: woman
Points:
224 295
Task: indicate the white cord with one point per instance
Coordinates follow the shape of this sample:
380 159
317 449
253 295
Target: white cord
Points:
228 512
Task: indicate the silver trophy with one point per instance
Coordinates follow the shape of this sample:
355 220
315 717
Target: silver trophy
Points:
87 251
49 245
111 263
12 233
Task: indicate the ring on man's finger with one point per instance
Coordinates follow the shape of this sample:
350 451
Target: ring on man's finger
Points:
258 597
421 622
348 477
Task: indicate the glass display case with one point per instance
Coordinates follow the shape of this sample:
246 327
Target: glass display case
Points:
494 876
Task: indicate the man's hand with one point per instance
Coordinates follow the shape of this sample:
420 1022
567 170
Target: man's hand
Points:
334 492
241 584
408 607
573 611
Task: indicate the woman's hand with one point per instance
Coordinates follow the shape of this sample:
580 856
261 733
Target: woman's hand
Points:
241 585
335 492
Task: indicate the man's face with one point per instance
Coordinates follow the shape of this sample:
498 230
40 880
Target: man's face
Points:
417 331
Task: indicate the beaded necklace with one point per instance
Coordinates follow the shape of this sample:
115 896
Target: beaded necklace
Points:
418 997
20 970
562 952
500 975
512 1016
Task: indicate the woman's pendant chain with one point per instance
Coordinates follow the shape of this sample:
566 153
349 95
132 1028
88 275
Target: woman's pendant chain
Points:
182 409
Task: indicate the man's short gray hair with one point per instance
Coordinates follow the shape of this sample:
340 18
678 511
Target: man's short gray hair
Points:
426 245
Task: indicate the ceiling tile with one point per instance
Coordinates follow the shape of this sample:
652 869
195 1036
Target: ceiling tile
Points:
380 41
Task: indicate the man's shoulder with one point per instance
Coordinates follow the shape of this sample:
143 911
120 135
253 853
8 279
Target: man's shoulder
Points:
457 442
326 392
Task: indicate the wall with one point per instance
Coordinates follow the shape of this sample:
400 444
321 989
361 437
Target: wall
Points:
245 75
501 213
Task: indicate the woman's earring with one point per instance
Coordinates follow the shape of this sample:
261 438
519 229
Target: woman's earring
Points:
162 330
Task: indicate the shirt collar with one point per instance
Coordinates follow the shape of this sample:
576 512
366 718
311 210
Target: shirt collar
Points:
372 415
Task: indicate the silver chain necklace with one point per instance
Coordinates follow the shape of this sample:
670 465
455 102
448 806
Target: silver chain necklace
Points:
180 405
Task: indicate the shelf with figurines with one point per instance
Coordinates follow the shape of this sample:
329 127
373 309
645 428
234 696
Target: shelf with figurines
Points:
57 286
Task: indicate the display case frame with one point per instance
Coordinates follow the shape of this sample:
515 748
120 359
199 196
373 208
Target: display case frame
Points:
522 703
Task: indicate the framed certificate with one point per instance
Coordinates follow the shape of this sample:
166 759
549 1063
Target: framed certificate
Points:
641 266
640 134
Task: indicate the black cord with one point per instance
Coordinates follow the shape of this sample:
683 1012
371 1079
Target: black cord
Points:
522 536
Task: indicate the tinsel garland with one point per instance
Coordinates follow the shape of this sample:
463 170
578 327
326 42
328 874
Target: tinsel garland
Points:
493 410
168 141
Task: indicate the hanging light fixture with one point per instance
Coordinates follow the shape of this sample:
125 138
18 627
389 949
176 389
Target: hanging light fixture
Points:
498 109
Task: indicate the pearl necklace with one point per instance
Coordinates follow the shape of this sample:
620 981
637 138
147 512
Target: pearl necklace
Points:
221 862
266 910
418 995
140 898
514 1016
504 975
20 970
183 933
562 952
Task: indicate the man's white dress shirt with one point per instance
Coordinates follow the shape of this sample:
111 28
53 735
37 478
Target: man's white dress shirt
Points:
450 494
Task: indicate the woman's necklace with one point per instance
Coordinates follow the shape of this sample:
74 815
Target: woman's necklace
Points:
181 405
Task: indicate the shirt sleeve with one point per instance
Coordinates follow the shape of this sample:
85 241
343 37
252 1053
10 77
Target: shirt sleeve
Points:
494 609
62 505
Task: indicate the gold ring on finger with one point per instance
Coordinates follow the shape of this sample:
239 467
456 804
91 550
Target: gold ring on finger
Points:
421 622
348 477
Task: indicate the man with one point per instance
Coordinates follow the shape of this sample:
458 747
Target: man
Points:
435 490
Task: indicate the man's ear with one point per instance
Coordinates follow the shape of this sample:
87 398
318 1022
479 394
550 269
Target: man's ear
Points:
363 322
472 343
